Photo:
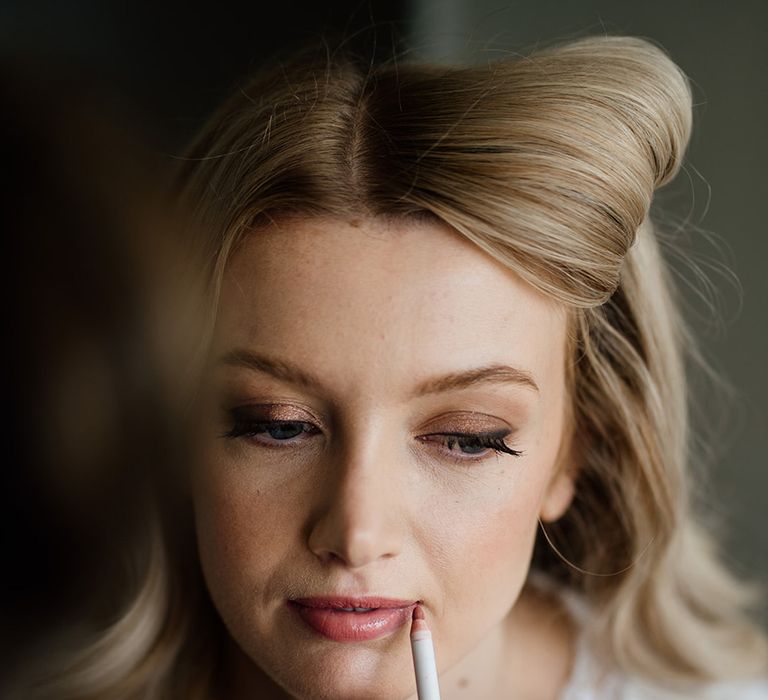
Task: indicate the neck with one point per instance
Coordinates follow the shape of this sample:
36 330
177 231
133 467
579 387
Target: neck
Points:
530 654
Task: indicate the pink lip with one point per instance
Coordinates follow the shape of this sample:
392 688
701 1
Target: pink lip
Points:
326 616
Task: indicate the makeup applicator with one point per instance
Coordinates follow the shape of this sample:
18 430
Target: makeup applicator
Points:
423 657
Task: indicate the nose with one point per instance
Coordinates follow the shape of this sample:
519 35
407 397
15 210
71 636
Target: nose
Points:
360 518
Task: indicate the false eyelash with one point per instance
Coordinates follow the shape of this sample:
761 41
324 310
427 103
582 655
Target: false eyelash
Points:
487 440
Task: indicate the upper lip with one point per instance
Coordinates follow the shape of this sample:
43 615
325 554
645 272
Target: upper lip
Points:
353 601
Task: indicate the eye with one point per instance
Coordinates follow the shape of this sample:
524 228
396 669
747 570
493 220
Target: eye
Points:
271 433
476 443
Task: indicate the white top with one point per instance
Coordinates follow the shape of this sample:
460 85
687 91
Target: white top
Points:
585 684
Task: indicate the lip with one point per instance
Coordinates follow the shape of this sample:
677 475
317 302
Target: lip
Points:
325 615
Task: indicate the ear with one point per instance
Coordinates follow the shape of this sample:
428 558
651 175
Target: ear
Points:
558 495
562 486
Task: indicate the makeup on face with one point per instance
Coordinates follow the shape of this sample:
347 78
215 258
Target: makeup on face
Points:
353 618
336 462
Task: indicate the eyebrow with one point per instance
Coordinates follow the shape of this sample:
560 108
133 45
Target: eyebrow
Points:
453 381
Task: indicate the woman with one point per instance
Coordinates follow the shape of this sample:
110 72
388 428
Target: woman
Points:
445 369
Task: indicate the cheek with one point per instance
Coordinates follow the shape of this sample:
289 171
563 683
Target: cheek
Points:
489 542
242 535
485 543
487 521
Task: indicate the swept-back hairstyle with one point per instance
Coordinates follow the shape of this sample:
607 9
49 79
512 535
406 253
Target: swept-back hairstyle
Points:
549 163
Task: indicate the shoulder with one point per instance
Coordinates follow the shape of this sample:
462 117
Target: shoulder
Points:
591 680
733 690
743 690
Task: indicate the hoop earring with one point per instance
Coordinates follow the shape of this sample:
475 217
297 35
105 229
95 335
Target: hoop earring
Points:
584 571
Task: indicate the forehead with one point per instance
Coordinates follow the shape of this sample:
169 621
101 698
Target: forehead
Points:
354 298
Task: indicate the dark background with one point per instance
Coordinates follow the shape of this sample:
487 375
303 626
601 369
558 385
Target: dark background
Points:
173 62
168 66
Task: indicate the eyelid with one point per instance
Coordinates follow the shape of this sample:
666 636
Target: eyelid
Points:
467 422
265 412
459 424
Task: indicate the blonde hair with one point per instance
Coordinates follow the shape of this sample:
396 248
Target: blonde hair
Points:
549 163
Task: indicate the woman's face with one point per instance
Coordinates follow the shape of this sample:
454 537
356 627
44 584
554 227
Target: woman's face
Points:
346 355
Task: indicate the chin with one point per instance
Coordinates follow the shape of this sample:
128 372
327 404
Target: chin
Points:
325 688
318 682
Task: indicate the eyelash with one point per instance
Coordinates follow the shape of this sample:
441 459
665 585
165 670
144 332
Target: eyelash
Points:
494 441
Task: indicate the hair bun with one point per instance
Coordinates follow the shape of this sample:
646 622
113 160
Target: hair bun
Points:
648 91
566 145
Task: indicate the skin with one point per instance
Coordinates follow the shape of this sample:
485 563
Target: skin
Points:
367 504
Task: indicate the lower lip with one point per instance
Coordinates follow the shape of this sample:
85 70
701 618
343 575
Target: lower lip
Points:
343 626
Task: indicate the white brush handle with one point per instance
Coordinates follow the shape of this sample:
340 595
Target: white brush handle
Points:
425 667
